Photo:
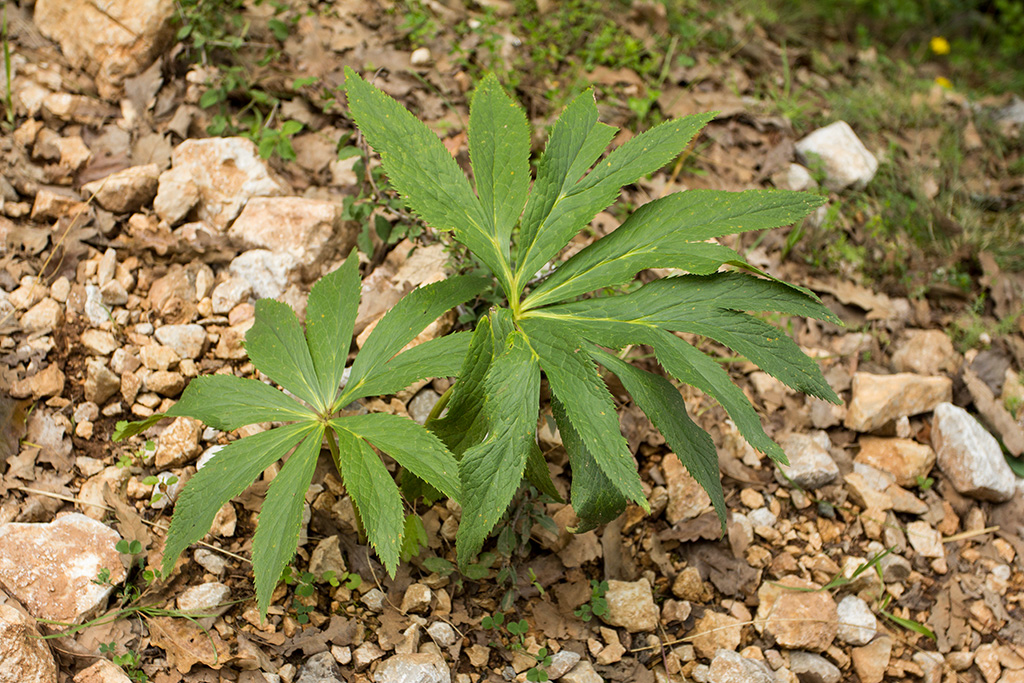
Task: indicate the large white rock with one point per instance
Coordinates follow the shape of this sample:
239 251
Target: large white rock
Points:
301 227
847 161
24 657
970 456
426 667
126 190
268 273
878 399
112 39
51 567
223 172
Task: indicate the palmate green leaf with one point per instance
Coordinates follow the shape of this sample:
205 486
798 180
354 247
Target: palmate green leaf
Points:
226 402
224 477
441 357
280 520
670 233
277 347
330 319
589 406
412 446
664 405
403 323
464 424
423 172
374 495
577 140
492 470
641 155
499 148
595 500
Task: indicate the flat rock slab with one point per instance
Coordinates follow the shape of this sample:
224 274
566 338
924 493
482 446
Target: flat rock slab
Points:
879 399
50 567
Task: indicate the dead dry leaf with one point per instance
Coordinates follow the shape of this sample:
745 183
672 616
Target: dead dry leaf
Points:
186 644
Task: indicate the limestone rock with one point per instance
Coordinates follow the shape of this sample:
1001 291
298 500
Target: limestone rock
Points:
320 668
230 293
857 623
100 381
295 225
879 399
926 352
327 557
847 161
561 663
126 191
24 657
99 342
206 598
581 673
715 631
50 567
925 540
268 273
631 606
426 667
732 667
177 194
179 443
442 633
416 599
970 456
103 671
686 498
49 382
112 41
811 667
186 340
870 661
45 316
226 172
810 464
797 619
905 459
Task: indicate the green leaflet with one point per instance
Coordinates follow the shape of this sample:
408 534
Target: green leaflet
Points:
330 319
499 148
670 233
413 447
374 494
402 323
441 357
595 500
464 423
492 470
280 520
224 477
276 346
226 402
663 404
588 405
537 473
641 155
577 140
423 171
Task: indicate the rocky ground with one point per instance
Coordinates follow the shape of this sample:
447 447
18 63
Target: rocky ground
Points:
133 250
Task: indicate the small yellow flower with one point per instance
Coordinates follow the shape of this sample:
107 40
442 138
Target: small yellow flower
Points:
940 45
944 82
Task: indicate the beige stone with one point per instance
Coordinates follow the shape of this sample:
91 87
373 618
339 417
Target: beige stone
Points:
112 41
631 606
302 227
50 568
94 503
803 619
925 352
870 661
103 671
686 498
127 190
715 631
47 382
179 443
24 656
905 459
879 399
